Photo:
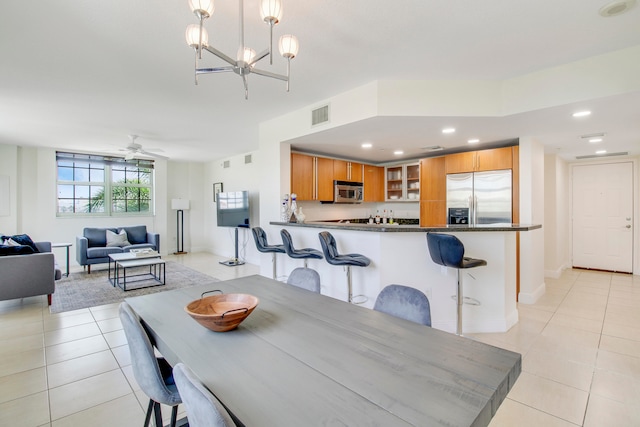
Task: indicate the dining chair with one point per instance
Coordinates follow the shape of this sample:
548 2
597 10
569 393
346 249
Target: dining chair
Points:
203 408
447 250
404 302
305 278
303 253
153 374
263 246
330 249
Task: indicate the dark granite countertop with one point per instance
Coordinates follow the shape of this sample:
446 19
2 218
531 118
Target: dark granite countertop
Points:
410 228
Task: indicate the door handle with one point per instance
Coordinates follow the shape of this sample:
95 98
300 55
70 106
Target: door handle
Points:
628 226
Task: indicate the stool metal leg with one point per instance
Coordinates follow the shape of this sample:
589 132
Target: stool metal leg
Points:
273 261
349 286
305 263
459 301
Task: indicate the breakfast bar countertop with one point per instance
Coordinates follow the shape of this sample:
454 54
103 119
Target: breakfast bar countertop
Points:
385 228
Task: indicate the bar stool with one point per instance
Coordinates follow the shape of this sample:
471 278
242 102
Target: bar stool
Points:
263 246
448 250
304 253
332 256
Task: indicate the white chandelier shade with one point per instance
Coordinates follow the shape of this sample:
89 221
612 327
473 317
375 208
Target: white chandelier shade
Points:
193 36
246 58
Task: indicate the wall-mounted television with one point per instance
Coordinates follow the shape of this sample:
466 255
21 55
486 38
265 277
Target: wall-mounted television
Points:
233 209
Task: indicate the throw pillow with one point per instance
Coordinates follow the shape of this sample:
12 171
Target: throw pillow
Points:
24 239
118 240
15 250
11 242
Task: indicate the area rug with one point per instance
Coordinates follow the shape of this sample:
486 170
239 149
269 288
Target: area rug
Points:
82 290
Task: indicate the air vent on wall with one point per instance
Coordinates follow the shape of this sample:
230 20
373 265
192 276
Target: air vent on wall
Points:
320 115
595 156
247 159
226 164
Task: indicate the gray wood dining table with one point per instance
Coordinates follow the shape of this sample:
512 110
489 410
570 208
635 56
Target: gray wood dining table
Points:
303 359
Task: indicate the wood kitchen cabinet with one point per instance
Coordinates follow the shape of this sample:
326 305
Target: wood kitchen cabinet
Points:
403 182
311 177
482 160
373 181
433 192
344 170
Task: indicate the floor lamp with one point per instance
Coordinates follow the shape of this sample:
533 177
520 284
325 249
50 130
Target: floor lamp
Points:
180 205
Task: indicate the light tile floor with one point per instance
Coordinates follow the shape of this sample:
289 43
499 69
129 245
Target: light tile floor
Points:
580 345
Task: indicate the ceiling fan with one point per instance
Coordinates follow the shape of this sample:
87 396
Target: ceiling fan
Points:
134 150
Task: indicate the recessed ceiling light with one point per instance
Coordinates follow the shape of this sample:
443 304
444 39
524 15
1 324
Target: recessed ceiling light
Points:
582 114
398 152
448 130
594 140
601 152
473 141
366 145
616 8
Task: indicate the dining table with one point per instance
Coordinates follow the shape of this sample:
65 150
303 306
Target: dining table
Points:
305 359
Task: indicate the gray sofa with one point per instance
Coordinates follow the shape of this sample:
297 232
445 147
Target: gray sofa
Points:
23 276
91 247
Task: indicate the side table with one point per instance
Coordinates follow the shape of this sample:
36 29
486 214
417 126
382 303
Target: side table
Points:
64 245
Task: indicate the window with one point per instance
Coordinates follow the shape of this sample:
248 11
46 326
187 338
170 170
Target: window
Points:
100 185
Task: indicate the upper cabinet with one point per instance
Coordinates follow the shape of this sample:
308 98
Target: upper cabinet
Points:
403 182
311 177
347 171
373 180
483 160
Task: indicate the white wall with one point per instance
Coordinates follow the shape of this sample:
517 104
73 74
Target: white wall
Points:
187 182
556 216
9 156
239 176
532 285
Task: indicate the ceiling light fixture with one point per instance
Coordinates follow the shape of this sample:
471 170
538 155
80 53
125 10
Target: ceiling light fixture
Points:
448 130
473 141
601 152
246 58
398 152
594 140
366 145
616 8
582 114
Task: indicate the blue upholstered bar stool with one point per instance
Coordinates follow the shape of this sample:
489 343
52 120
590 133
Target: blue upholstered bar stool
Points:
263 246
448 250
328 243
304 253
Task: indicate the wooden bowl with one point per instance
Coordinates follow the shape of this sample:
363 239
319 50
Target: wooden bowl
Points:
221 313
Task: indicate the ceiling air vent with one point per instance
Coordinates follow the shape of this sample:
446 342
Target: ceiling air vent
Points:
595 156
226 164
247 159
320 115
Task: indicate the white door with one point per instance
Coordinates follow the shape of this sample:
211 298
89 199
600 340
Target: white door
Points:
603 216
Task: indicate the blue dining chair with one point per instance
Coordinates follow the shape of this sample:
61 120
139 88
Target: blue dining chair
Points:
305 278
203 408
154 375
404 302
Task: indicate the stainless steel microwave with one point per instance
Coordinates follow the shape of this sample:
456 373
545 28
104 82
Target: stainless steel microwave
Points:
347 192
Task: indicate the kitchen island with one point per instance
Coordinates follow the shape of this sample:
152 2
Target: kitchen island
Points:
399 255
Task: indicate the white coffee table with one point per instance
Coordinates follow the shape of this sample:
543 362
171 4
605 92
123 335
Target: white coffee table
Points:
122 262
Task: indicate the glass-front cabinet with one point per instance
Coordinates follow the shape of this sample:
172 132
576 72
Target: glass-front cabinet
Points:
403 182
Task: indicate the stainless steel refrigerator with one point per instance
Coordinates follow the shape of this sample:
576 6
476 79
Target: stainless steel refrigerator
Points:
486 196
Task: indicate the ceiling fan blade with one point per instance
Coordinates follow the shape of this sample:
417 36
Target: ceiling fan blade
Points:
158 156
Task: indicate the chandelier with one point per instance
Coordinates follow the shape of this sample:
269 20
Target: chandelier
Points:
246 58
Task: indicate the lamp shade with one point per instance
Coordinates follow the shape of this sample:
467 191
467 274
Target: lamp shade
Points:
193 36
180 204
289 46
271 11
202 8
247 54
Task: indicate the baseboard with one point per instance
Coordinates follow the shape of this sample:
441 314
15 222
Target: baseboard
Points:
553 274
532 297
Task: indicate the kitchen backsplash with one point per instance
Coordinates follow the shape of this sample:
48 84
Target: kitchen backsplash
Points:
315 211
